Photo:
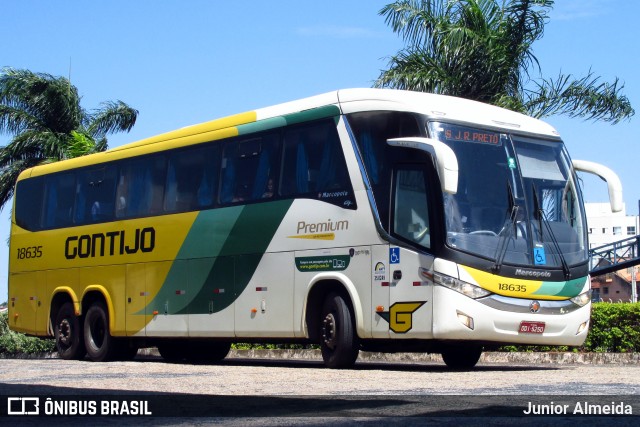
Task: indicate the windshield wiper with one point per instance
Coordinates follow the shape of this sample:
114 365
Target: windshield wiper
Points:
510 230
539 215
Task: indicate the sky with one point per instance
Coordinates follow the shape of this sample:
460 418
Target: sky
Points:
181 62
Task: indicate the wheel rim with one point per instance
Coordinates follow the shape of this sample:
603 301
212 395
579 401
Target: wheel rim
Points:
329 332
64 334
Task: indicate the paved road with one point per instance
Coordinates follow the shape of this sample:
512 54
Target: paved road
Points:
305 388
238 376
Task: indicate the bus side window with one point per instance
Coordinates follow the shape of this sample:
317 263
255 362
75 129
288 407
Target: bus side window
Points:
141 187
264 179
411 210
248 167
295 170
29 196
371 130
192 177
60 190
233 188
313 161
95 195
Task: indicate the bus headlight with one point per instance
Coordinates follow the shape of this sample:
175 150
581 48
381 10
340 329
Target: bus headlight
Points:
465 288
582 299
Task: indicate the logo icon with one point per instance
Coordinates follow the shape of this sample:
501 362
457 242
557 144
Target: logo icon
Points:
23 406
379 272
534 306
400 316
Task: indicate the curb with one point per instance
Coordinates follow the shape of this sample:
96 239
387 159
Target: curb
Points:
520 358
527 358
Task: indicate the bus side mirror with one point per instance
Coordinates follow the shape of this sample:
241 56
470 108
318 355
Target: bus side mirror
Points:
613 182
445 158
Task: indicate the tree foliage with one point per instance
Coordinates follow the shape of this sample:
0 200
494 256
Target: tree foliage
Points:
43 115
483 50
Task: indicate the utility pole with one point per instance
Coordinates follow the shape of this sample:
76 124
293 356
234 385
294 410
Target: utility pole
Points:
634 291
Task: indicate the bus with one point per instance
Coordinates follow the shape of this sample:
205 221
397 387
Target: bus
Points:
361 219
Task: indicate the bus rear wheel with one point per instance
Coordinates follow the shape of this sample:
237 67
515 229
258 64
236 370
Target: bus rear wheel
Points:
338 338
462 357
101 346
171 351
68 334
126 350
207 352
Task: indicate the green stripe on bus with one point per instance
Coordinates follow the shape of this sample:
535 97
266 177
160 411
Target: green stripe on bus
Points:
567 289
313 114
203 243
262 125
240 256
218 258
289 119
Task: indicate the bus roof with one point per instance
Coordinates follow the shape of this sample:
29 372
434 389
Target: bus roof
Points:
446 108
437 107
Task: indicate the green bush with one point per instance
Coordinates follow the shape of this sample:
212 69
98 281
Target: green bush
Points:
614 328
14 343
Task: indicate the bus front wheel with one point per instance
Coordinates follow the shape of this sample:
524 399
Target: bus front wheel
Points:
338 338
462 357
101 346
68 334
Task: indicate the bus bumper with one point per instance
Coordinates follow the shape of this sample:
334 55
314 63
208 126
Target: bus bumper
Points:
457 317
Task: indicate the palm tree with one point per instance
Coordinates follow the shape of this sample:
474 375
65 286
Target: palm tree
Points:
482 50
47 123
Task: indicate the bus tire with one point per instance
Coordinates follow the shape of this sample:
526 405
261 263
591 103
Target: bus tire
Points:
101 346
126 350
68 334
172 351
207 352
338 338
194 351
462 357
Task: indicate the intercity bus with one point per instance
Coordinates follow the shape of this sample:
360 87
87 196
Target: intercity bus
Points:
361 219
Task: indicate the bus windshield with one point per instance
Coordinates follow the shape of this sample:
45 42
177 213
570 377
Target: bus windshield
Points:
517 200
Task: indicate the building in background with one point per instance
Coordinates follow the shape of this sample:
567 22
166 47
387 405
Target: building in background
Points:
616 286
606 227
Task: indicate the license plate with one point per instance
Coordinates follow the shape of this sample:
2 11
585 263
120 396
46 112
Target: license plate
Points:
531 327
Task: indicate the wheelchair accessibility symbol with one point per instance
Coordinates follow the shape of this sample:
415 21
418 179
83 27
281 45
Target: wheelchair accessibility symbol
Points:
539 256
394 255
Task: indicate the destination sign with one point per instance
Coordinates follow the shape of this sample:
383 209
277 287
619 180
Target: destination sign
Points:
466 134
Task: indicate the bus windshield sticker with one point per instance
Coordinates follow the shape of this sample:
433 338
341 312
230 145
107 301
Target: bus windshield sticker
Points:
539 256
